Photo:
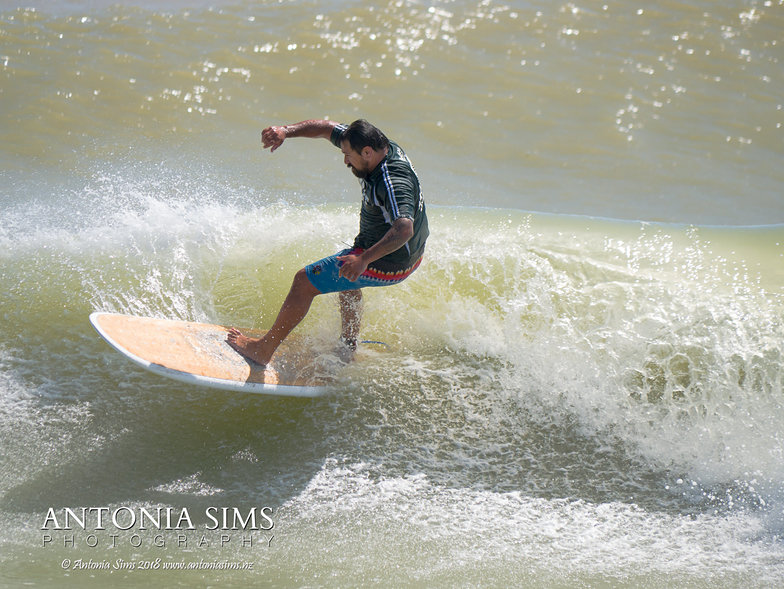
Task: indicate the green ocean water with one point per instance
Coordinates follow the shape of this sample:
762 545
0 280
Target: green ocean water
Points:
583 385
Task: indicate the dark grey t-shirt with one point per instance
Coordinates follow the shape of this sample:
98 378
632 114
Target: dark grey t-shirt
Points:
390 192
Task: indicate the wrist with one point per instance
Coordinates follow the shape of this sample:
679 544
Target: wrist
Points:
365 259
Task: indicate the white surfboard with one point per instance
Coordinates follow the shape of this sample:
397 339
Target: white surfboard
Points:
198 354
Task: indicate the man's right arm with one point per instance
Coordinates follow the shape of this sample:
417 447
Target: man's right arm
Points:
273 137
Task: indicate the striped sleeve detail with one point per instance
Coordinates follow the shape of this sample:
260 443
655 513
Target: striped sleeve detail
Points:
394 210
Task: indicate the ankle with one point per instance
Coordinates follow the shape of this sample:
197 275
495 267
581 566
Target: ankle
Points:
349 342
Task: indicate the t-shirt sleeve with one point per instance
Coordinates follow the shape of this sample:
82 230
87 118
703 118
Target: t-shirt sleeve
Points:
401 195
337 134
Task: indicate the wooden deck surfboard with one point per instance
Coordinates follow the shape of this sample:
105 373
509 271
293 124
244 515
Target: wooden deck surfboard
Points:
197 353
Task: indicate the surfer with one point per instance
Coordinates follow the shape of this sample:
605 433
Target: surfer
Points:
389 247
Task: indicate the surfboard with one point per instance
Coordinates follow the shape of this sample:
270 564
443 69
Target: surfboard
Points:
198 354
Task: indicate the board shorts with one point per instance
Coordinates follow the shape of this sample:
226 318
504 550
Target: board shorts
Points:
323 274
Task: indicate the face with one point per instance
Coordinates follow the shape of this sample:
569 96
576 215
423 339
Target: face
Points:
355 160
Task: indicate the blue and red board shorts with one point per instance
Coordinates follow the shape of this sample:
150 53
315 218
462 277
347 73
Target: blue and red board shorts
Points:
323 274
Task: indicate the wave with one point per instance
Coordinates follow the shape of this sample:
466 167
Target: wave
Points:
665 340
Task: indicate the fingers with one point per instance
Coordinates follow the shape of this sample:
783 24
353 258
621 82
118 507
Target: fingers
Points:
348 272
272 137
343 270
351 267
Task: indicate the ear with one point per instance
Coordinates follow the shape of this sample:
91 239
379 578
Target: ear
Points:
367 152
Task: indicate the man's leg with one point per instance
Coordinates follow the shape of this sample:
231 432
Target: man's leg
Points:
350 315
294 309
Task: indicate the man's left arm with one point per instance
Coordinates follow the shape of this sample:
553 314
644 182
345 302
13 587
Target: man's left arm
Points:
398 234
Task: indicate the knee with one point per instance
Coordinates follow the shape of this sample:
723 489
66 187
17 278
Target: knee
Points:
303 285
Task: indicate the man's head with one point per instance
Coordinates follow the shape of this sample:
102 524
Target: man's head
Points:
363 147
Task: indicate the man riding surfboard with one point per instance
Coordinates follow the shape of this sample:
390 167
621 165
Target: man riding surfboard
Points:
393 230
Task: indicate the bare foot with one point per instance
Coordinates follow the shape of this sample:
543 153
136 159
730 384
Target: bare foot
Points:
249 347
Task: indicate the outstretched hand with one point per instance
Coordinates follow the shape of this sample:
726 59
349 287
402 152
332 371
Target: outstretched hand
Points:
273 137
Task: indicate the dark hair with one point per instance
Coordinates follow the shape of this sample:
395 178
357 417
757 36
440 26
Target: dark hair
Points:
360 134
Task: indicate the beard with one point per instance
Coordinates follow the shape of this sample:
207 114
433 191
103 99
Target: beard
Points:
362 174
